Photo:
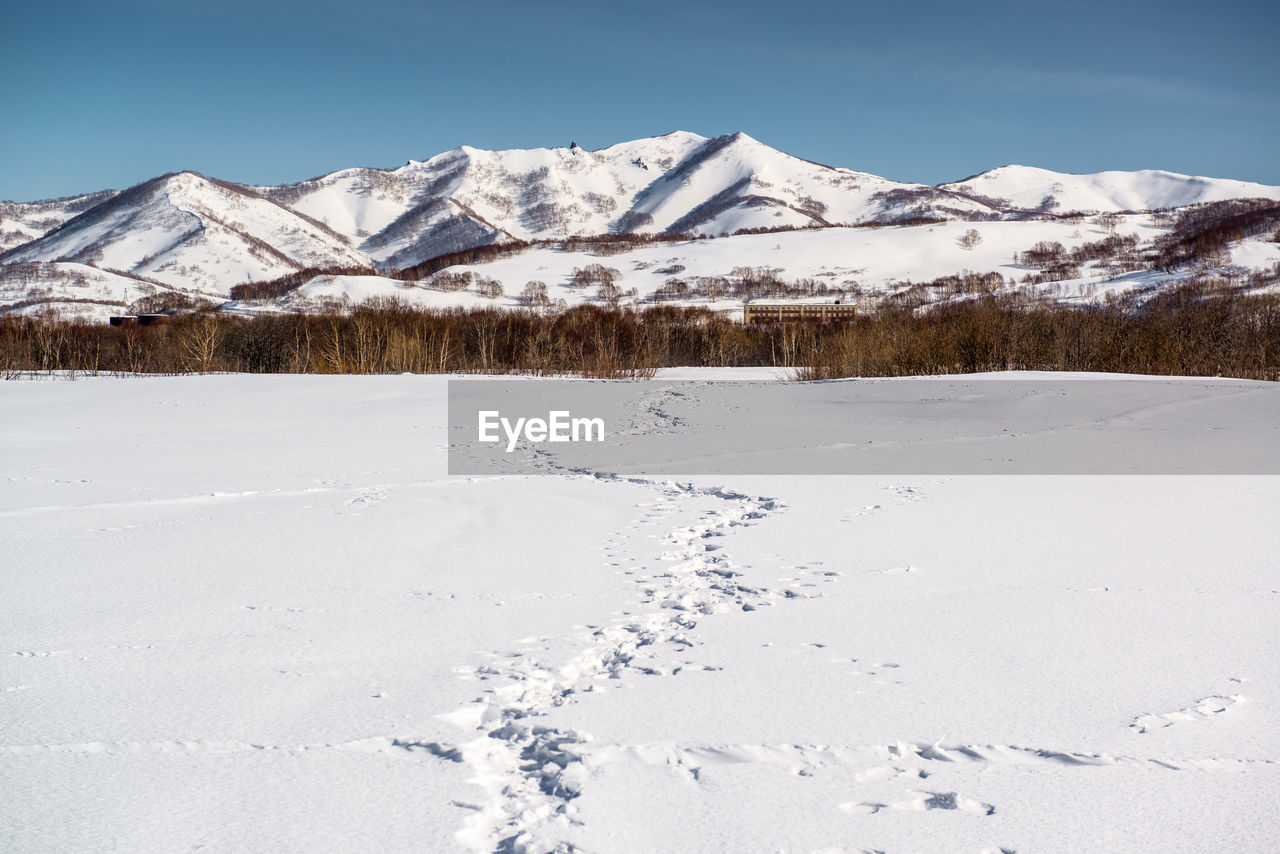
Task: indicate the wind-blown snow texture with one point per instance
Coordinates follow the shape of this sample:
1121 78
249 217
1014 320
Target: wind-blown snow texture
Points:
253 613
188 232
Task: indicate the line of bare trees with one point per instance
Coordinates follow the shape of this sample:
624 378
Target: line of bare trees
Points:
1191 330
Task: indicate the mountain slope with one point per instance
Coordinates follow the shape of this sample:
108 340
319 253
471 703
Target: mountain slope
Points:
79 290
193 233
681 182
1031 189
188 230
21 222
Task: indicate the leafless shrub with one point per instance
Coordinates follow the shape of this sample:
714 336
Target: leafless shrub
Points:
449 281
488 287
1043 254
534 295
594 274
1109 221
609 293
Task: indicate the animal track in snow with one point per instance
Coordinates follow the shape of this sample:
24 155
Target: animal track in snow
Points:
881 773
906 494
532 773
904 759
873 669
895 570
287 609
805 581
901 495
39 653
1202 709
370 495
922 801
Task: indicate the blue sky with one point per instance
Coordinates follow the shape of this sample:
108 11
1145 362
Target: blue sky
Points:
106 94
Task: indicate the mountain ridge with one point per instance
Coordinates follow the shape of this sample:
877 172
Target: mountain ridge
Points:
187 230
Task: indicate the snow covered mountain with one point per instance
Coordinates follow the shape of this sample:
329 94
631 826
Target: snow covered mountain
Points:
1026 188
204 236
681 182
22 222
188 230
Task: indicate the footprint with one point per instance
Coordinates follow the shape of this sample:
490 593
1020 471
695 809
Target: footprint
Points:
878 775
1202 709
895 570
37 653
922 802
873 668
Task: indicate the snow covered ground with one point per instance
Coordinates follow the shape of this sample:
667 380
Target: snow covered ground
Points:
873 261
80 291
254 613
877 260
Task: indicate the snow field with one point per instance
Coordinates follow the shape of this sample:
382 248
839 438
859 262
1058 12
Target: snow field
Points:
250 612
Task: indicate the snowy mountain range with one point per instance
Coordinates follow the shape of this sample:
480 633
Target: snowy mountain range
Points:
185 231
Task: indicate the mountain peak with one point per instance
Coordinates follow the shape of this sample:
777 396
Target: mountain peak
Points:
189 230
1035 188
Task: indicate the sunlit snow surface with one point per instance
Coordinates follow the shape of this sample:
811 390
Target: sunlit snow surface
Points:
254 614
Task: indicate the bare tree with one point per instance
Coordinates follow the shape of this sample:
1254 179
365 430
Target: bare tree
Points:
200 342
610 293
1109 221
487 287
534 295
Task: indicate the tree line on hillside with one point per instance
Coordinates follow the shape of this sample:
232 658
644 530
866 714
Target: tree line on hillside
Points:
1202 233
1199 236
1197 329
